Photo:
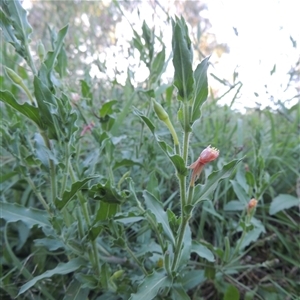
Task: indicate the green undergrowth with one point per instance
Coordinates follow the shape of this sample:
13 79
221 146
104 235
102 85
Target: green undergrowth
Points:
97 200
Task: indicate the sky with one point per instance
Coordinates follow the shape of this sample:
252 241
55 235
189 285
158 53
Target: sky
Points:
264 29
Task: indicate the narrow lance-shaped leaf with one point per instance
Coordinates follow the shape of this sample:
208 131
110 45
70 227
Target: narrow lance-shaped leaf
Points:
44 100
61 269
13 212
58 45
150 286
202 192
202 251
25 109
178 292
7 30
182 60
155 206
157 65
201 89
282 202
18 16
68 195
186 249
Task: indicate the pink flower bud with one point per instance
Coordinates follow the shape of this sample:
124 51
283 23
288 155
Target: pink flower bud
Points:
87 128
207 155
251 205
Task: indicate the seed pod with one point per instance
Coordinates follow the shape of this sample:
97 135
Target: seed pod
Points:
41 51
13 76
160 112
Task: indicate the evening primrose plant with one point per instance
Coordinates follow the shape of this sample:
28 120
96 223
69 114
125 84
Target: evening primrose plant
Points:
192 91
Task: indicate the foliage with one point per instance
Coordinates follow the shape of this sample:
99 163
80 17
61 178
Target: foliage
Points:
88 192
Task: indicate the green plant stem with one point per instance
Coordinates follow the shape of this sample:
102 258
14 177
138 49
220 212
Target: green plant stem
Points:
190 195
186 136
65 176
179 242
86 215
186 139
38 194
136 260
52 168
29 58
182 186
182 189
237 248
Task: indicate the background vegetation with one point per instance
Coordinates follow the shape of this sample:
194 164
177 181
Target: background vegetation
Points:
87 194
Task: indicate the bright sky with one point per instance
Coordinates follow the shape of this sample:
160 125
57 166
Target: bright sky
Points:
264 28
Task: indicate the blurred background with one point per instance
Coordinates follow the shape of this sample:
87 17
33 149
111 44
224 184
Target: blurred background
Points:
254 45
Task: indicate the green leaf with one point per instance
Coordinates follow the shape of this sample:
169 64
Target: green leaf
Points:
178 292
281 202
234 205
232 293
75 291
106 192
68 195
252 236
7 30
106 211
42 152
107 108
192 278
51 57
201 89
13 212
157 209
151 285
187 246
126 163
177 160
44 100
18 15
61 269
157 66
268 183
49 243
202 192
182 60
30 112
240 192
202 251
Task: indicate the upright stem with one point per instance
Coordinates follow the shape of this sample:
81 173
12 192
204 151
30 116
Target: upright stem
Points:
186 136
182 185
52 168
179 243
182 188
29 59
86 215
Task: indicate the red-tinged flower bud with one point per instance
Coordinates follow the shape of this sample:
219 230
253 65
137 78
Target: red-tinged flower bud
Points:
207 155
87 128
251 205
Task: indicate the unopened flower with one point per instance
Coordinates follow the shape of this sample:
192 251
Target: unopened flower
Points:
251 205
86 128
207 155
